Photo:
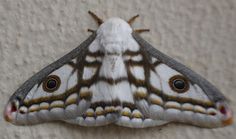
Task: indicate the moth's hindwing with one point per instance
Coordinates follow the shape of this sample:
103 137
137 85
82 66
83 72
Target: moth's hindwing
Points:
99 114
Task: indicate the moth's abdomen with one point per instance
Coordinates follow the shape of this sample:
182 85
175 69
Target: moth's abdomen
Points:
112 82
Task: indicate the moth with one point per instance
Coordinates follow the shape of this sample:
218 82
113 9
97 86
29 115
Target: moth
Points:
117 77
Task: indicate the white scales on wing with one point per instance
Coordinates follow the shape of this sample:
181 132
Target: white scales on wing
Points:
162 75
68 78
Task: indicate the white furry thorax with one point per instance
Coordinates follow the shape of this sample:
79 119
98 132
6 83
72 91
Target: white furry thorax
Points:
113 35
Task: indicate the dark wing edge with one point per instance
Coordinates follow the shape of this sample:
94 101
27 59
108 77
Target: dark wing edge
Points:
26 86
211 91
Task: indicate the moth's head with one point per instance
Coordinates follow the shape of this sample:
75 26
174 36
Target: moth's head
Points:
113 35
44 97
114 26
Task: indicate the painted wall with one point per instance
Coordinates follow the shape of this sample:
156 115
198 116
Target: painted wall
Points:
34 33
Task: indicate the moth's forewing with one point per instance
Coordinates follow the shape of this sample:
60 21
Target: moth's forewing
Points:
180 95
52 93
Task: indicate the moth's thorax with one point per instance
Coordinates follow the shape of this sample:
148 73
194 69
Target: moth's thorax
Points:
113 35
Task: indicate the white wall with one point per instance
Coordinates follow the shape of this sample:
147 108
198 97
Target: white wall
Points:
34 33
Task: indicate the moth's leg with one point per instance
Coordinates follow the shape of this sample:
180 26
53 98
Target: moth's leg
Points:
141 30
132 117
130 22
96 18
132 19
91 30
97 116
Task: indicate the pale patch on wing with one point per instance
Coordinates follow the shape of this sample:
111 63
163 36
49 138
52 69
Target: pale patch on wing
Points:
200 92
40 93
73 80
155 80
137 58
90 59
132 45
155 99
165 74
139 92
74 60
89 72
193 93
142 90
133 88
99 58
94 46
31 92
103 91
153 59
64 73
137 72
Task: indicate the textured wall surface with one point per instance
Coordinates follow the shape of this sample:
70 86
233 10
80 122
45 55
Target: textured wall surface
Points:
34 33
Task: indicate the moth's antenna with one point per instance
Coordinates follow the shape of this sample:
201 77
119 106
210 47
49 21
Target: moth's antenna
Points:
91 30
141 30
131 20
97 19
